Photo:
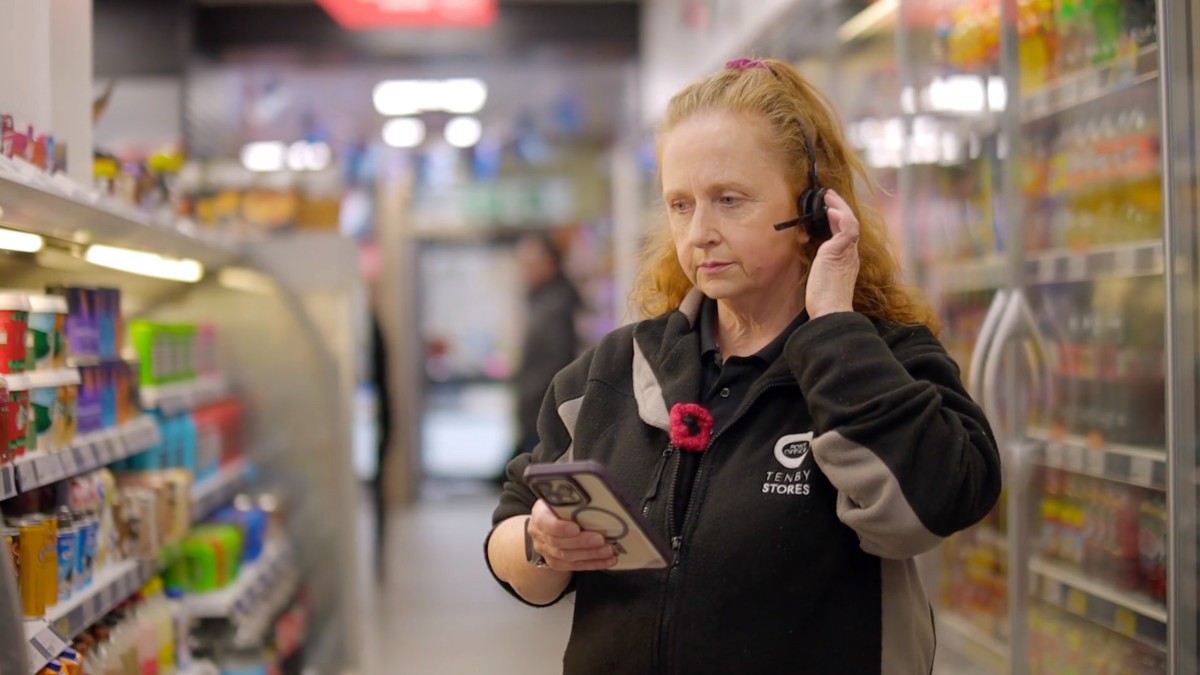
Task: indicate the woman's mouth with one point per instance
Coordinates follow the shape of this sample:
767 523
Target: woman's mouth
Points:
714 267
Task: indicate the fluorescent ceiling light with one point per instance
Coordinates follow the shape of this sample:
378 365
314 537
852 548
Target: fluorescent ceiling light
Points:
264 156
409 97
871 19
22 242
305 156
463 132
145 264
464 97
404 132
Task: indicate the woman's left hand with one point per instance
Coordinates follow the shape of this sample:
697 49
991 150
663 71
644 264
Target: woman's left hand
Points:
831 280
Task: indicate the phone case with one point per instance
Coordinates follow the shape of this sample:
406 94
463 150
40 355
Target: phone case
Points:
584 493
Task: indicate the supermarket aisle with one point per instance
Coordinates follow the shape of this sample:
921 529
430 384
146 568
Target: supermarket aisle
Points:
441 612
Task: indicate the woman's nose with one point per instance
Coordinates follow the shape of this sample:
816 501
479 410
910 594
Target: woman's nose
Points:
702 230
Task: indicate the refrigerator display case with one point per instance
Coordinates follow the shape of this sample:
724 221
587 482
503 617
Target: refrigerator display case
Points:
1044 160
1047 161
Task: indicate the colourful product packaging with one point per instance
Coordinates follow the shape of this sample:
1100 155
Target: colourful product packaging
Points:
81 327
31 542
18 415
68 545
51 405
14 324
72 662
86 525
253 523
148 344
108 394
121 379
106 324
48 561
90 406
53 668
47 317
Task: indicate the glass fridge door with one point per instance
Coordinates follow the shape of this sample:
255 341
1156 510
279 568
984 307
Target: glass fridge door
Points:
1095 483
948 143
1180 25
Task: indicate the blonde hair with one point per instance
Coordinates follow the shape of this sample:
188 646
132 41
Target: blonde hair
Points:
775 91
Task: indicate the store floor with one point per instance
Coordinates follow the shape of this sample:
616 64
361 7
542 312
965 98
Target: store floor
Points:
439 611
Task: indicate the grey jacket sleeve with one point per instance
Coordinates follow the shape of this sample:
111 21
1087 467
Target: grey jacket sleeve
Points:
912 456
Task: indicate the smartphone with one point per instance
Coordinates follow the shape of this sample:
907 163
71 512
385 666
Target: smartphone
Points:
585 493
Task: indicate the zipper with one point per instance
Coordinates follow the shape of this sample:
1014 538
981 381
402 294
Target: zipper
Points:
652 491
666 643
700 468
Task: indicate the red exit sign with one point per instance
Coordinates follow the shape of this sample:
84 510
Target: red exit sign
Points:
360 14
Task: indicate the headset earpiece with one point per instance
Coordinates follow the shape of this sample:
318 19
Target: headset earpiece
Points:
814 214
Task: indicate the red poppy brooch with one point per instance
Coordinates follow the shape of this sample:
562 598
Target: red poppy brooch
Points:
691 427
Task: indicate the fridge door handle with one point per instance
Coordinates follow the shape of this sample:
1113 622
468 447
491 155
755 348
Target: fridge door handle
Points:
1006 328
983 344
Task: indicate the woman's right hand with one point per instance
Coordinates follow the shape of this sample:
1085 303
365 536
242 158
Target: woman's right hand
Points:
565 546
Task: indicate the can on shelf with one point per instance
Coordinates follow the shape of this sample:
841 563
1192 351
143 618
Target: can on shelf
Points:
31 542
48 561
66 551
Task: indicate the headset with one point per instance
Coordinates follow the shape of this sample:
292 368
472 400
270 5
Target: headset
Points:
813 212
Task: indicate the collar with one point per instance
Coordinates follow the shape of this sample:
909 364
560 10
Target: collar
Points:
667 359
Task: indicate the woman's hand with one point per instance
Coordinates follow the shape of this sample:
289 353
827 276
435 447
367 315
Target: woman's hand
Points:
565 546
831 280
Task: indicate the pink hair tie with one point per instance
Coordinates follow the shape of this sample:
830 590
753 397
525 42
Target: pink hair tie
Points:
745 64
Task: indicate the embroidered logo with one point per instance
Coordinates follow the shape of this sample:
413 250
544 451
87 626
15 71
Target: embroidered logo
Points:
792 450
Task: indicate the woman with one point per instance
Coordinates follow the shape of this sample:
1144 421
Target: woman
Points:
844 443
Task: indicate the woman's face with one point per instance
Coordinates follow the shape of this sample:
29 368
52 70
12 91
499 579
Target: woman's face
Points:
725 188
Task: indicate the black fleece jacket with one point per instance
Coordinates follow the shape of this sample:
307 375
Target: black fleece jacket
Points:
857 450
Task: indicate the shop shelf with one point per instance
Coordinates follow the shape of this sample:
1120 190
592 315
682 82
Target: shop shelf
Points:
56 207
87 453
1144 467
174 399
1134 615
960 636
1090 85
257 582
216 491
8 482
1134 259
964 276
46 638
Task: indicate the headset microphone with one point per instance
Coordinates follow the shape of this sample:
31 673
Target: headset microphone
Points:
813 212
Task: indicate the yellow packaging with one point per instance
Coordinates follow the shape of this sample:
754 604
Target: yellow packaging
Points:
30 543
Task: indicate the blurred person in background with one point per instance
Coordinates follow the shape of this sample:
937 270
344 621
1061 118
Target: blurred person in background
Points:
550 340
786 417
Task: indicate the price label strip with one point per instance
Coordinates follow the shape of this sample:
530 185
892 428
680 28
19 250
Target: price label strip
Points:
8 485
1095 463
1075 458
1141 471
27 475
70 467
